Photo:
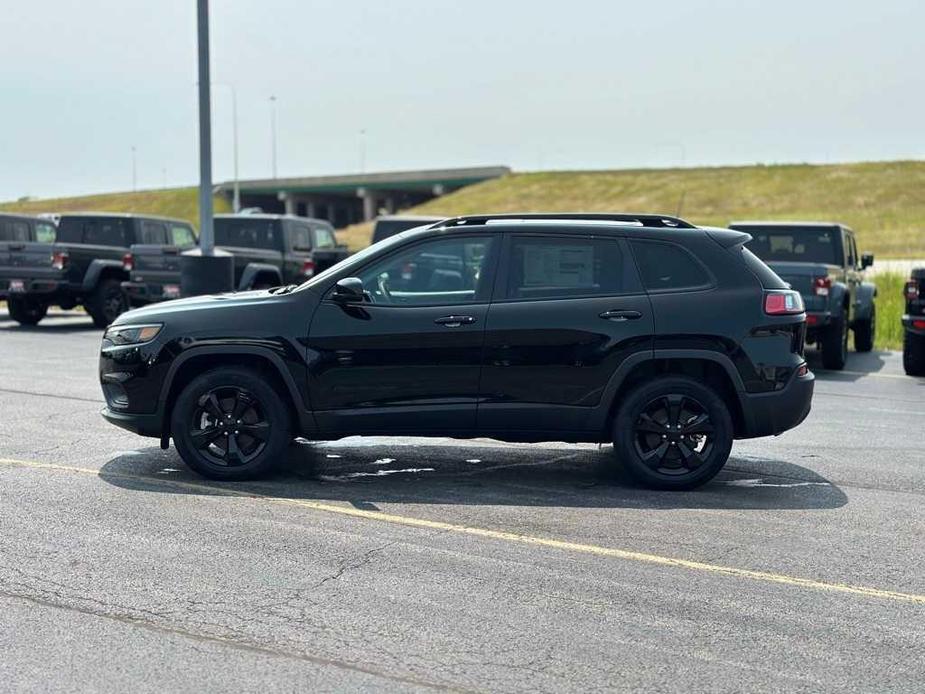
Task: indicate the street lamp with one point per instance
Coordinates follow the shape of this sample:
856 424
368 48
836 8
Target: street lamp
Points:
205 270
273 132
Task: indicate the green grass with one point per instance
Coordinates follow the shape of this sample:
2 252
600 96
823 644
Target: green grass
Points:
180 203
890 307
883 201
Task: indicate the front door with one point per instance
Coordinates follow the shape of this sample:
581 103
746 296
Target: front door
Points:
570 310
408 359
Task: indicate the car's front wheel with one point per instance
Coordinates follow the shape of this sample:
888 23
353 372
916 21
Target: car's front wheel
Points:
673 433
230 424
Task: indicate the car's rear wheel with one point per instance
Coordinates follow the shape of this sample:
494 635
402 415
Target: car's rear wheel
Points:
834 344
673 433
230 424
26 310
106 302
914 354
864 332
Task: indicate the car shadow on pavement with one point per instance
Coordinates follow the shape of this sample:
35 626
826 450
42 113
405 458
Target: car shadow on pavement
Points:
367 472
76 323
859 365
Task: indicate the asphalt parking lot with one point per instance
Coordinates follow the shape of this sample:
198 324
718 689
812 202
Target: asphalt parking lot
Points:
408 564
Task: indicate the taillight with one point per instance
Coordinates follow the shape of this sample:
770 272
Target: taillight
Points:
308 268
128 262
783 303
912 290
822 285
918 324
59 260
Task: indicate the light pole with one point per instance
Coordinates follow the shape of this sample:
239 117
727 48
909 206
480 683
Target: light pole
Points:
204 270
236 200
273 133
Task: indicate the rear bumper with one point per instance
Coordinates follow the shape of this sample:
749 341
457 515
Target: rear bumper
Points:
769 414
33 287
141 424
140 293
909 323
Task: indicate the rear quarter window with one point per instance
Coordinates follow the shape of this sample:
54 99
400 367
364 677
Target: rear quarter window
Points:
668 267
14 230
768 278
99 231
247 233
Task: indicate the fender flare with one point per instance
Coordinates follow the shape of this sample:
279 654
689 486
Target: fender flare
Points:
305 417
253 269
864 300
617 379
837 298
92 276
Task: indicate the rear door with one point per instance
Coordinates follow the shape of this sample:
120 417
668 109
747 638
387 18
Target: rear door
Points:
568 310
409 359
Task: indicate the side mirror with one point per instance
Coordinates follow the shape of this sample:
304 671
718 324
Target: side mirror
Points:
867 260
349 290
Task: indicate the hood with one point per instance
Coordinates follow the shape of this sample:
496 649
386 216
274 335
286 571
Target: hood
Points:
214 304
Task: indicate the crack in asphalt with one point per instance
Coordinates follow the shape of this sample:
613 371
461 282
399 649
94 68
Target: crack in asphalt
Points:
346 565
56 396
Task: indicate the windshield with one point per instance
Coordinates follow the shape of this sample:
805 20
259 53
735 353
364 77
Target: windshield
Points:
357 259
794 244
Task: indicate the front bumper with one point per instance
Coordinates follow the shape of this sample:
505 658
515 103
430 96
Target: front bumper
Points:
141 424
769 414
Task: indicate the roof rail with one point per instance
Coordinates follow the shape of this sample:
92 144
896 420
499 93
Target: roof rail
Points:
645 220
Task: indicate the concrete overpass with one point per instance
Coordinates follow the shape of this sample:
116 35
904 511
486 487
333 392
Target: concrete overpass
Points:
349 199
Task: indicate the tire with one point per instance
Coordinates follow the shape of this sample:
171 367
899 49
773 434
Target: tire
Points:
864 332
25 310
914 354
673 461
258 413
834 344
106 302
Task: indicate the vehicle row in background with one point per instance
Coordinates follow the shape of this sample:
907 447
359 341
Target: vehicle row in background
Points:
821 261
914 324
110 262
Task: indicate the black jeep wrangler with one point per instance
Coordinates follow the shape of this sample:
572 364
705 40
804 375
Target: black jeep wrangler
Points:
914 324
667 339
821 261
271 249
84 266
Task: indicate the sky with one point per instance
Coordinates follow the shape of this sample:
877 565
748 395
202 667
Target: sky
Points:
535 85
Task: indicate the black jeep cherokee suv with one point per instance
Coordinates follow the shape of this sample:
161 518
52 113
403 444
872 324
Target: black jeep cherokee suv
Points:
668 339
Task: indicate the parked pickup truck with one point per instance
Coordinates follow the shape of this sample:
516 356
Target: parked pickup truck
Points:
84 266
389 225
821 261
271 250
24 242
154 265
914 324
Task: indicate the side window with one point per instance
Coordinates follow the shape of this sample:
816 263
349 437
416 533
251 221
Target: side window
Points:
850 254
153 233
434 273
667 266
324 238
45 232
545 267
300 237
246 233
105 232
182 236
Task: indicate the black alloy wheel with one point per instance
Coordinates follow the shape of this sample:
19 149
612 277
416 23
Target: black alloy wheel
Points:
674 434
229 426
231 423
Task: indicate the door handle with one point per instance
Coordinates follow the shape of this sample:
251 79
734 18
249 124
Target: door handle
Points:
455 321
616 315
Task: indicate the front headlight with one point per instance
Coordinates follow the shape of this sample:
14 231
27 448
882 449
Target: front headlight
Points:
119 335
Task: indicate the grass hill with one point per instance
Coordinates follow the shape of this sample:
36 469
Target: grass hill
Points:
180 203
883 201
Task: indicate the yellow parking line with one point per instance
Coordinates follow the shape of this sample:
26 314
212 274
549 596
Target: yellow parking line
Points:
627 555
